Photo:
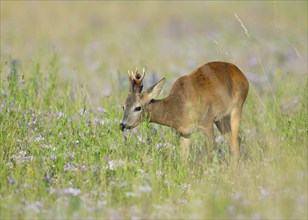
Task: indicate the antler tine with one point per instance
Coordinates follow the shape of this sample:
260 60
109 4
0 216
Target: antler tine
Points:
135 75
132 75
129 75
143 74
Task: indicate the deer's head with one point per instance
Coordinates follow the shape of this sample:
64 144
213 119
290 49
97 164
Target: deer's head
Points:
135 107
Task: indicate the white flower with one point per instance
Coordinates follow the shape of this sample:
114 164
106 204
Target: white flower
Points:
111 164
145 189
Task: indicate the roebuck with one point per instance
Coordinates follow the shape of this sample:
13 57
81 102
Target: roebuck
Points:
212 94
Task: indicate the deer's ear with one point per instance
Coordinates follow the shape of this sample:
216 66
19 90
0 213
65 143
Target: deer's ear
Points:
155 90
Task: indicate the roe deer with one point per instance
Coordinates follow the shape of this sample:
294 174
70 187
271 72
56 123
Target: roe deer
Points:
212 94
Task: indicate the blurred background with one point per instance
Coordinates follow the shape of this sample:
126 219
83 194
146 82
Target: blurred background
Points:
97 42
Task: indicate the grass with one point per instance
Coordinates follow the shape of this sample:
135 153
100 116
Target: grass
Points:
62 85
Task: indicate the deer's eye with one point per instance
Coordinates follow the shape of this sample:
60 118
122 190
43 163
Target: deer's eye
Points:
137 109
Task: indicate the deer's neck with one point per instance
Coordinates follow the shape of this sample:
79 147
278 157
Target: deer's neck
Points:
161 112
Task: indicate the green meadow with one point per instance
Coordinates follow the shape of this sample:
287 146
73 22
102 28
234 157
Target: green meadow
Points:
63 81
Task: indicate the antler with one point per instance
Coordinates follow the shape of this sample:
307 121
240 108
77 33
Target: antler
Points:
136 80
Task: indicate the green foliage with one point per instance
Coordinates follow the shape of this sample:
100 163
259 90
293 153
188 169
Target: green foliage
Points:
61 158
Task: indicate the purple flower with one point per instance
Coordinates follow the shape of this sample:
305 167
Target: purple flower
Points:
82 167
11 181
97 121
106 158
60 135
101 110
47 177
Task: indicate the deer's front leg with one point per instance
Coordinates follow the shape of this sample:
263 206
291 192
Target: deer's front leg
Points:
184 145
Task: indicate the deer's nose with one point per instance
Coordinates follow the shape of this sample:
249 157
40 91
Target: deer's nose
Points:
122 126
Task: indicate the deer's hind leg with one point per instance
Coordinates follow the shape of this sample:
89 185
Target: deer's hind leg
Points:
224 125
235 122
229 126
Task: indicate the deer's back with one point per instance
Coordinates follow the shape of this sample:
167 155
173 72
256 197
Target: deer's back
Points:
216 86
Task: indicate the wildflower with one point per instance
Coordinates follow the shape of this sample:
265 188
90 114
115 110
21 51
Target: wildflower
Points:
60 115
11 181
146 189
106 158
101 110
82 111
158 145
69 167
83 168
97 121
47 177
39 138
141 139
185 186
153 130
30 170
126 133
111 165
